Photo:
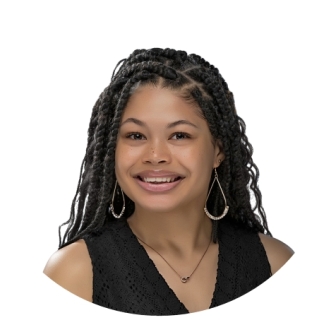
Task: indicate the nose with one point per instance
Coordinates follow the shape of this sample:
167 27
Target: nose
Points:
157 153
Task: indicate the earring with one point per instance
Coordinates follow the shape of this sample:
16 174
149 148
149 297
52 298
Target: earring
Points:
111 208
226 208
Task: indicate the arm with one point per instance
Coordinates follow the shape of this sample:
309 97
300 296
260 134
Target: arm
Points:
278 253
71 268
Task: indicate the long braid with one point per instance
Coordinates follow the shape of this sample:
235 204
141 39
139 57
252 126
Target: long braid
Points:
196 80
82 183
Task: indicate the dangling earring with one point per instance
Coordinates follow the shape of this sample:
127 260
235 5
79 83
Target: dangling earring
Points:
111 208
226 208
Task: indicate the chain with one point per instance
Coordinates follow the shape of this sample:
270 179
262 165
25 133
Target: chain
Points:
183 279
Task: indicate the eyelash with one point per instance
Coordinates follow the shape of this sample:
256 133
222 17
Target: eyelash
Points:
129 135
186 135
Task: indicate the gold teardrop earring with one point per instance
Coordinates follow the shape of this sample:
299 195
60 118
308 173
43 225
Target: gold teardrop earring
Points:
111 207
226 208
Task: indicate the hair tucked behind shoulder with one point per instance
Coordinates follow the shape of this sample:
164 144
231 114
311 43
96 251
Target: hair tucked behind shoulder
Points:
196 80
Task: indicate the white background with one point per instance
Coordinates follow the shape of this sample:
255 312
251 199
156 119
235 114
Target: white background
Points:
56 58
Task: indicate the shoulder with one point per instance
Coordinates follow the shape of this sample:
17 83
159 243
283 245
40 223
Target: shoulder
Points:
278 253
71 268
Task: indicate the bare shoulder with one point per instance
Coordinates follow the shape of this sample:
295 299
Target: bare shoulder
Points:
71 268
278 253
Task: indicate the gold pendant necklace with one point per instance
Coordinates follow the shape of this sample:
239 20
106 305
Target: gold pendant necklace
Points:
183 279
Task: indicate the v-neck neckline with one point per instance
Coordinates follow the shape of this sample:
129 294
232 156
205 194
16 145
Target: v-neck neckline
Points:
157 274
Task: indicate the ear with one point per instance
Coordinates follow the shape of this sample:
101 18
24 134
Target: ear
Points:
218 154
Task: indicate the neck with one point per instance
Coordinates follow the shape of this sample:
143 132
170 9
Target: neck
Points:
183 231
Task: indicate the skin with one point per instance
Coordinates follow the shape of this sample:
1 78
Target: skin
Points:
171 222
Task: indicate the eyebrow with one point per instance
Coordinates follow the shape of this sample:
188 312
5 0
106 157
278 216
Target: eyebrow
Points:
169 126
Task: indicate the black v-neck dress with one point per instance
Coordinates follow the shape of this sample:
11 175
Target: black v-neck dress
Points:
126 279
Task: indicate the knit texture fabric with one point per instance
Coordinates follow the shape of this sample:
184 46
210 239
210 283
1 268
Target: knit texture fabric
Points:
126 279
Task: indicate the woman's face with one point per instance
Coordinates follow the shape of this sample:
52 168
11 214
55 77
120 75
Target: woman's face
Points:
164 154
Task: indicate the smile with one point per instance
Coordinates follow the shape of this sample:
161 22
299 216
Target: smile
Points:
158 181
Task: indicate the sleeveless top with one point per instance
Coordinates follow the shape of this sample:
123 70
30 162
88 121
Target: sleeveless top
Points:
127 280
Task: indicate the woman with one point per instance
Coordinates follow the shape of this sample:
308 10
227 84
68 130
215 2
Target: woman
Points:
162 221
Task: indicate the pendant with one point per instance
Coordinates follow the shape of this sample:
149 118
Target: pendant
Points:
185 279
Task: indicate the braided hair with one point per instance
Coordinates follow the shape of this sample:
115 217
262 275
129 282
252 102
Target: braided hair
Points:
196 80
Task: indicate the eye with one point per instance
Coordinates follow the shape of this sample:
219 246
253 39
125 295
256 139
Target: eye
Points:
134 136
181 135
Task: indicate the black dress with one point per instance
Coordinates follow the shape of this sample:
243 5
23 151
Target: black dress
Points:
126 279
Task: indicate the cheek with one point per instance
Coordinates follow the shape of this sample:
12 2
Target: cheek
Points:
125 157
199 164
199 155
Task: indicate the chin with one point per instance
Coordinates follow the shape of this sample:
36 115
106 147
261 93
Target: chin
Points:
167 207
156 207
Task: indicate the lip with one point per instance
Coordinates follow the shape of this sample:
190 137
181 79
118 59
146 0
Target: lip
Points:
161 187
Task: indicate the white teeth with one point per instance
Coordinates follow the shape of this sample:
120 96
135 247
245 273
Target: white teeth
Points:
158 179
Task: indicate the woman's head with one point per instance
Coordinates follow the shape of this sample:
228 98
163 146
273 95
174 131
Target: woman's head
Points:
162 135
195 90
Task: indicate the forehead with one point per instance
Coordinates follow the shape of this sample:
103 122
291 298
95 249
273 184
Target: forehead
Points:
155 102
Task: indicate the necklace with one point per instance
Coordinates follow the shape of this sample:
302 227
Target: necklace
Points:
183 279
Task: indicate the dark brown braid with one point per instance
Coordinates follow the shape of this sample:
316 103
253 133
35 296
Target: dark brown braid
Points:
195 80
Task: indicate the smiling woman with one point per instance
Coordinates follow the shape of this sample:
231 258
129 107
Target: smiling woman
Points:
162 223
